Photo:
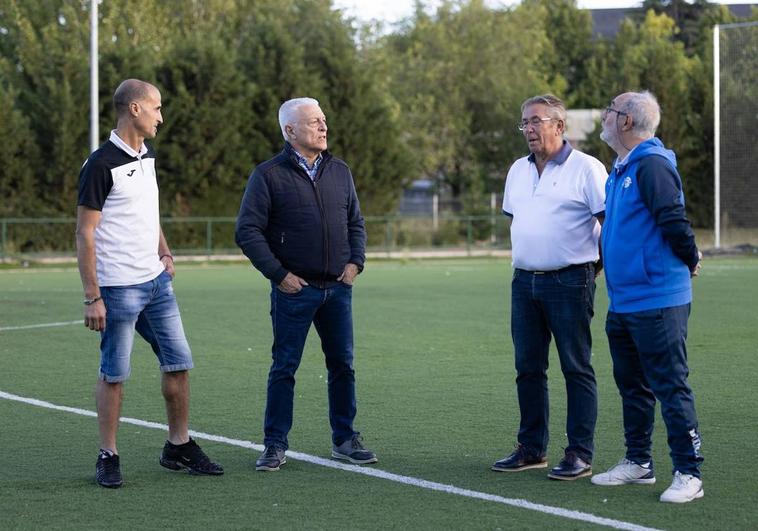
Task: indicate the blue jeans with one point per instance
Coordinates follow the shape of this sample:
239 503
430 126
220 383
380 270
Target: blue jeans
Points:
151 309
330 310
650 361
557 303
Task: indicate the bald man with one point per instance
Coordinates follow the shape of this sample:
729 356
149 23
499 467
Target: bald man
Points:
650 257
126 269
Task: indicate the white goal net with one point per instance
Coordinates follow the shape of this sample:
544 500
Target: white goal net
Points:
735 140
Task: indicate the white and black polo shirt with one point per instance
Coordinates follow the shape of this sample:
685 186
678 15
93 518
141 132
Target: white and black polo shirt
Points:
122 184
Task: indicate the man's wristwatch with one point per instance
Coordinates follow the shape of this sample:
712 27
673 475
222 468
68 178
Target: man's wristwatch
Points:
89 302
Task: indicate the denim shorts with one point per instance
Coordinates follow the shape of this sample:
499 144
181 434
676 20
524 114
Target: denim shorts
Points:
149 308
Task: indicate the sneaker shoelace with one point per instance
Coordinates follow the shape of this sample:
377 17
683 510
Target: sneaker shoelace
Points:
680 480
195 454
109 462
356 443
522 451
271 451
628 462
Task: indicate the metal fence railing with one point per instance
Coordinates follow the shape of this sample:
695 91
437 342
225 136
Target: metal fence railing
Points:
52 237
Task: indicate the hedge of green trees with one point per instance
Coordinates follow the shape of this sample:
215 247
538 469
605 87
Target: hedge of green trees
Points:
435 96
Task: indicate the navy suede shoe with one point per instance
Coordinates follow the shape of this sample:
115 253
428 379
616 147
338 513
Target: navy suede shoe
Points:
522 458
571 467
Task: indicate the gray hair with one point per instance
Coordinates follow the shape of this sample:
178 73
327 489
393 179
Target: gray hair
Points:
556 107
645 113
288 111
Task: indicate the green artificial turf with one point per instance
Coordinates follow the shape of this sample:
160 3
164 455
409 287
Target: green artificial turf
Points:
436 401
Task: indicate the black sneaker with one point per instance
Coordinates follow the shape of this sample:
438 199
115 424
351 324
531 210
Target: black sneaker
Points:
570 468
522 458
108 470
189 456
271 459
353 450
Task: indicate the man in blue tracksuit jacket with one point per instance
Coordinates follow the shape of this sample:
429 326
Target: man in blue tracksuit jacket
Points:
301 226
649 254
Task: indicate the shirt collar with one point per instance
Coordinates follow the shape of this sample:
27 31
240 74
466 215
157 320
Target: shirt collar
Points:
621 163
304 162
560 158
123 146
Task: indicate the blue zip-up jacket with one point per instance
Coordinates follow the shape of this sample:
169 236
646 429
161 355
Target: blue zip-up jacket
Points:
290 223
647 242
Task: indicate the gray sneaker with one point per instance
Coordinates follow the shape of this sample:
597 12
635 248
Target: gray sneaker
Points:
352 450
271 459
626 472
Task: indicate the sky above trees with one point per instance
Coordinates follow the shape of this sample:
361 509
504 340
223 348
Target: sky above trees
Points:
394 10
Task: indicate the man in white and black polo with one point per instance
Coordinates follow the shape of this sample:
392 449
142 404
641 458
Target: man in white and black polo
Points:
126 268
555 198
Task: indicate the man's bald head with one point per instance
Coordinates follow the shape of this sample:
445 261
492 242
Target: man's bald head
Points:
128 91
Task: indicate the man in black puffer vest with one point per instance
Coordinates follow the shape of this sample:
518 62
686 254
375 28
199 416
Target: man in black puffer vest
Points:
301 226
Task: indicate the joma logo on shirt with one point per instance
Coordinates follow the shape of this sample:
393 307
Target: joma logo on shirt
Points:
130 173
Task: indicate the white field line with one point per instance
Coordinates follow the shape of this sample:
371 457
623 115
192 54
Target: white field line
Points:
43 325
366 471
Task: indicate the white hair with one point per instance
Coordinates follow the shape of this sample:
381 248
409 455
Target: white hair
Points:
288 112
645 113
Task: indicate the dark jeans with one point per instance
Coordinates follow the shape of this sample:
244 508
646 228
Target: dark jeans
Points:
558 303
650 361
330 310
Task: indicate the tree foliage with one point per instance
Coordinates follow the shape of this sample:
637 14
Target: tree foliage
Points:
18 151
459 75
437 97
569 30
223 67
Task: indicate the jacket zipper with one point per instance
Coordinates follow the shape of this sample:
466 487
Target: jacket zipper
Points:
613 202
324 228
324 231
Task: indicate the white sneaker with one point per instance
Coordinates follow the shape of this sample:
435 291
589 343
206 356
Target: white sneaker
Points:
683 489
626 472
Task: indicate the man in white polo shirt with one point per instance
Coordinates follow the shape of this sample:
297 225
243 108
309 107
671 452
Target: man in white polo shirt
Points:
555 198
126 269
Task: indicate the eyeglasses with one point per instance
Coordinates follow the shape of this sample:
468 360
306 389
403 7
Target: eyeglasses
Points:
611 109
534 122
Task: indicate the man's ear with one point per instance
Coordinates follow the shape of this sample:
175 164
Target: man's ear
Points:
134 108
290 131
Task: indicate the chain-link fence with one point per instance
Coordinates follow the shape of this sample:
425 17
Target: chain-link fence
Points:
30 239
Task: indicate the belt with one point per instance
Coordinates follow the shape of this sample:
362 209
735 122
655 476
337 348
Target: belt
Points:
587 265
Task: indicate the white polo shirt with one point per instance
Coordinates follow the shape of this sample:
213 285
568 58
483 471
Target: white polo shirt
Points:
553 214
122 184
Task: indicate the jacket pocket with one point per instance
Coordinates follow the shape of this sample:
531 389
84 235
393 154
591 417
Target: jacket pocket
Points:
626 266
